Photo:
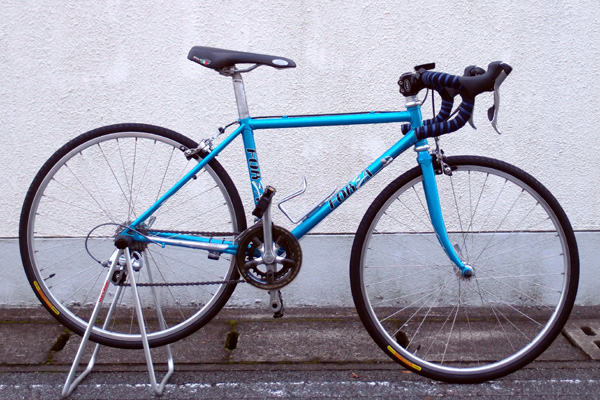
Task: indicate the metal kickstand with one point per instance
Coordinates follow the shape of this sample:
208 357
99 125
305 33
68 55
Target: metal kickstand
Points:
71 383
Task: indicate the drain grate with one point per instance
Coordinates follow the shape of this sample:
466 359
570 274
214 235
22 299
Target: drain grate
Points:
585 334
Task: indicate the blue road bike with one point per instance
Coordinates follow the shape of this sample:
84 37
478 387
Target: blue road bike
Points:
455 254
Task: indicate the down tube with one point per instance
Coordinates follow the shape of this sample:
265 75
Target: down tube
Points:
359 181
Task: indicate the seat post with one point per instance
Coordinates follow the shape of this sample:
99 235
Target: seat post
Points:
240 95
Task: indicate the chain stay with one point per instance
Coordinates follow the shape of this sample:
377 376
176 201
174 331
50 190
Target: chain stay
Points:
210 234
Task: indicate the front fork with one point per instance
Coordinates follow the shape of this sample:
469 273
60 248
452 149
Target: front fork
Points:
435 210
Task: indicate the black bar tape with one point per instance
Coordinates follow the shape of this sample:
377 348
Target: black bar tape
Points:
441 128
432 79
442 115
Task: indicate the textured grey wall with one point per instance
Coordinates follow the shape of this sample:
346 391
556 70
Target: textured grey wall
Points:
66 68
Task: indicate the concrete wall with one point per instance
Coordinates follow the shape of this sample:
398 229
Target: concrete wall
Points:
69 67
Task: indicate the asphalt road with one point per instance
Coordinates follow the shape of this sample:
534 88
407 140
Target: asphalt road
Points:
543 380
310 354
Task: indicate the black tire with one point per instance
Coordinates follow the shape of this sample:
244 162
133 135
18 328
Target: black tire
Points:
109 176
429 318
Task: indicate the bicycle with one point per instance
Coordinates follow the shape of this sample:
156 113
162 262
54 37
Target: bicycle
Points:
500 262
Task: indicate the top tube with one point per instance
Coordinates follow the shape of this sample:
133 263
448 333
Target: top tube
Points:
328 120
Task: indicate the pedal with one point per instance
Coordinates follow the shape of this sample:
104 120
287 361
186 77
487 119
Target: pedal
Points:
298 193
264 202
276 303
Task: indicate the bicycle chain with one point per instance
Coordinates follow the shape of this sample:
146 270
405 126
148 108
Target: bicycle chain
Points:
187 283
210 234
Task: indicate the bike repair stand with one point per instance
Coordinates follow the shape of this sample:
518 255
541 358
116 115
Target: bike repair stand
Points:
121 258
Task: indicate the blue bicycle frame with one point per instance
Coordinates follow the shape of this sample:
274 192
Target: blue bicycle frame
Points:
246 128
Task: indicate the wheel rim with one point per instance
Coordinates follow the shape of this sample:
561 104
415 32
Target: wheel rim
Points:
185 306
449 350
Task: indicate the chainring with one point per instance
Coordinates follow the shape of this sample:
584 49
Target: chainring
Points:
252 267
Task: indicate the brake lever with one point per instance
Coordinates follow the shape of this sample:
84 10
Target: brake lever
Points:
471 119
493 110
473 70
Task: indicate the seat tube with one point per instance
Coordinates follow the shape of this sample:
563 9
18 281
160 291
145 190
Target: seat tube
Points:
252 160
435 210
247 135
240 95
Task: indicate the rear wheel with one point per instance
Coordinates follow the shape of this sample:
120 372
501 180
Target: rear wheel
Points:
84 195
423 313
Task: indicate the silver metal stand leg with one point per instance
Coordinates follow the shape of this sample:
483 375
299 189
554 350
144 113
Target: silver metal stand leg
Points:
71 383
161 321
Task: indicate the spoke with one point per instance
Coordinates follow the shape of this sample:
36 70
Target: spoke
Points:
533 260
92 178
466 311
425 222
422 234
395 266
405 296
74 205
472 215
150 255
63 259
406 307
458 211
183 263
516 290
425 209
446 268
198 216
164 175
88 192
40 249
452 327
61 221
69 278
512 250
87 295
114 175
435 338
520 278
129 186
503 219
523 263
414 335
171 207
513 308
528 229
470 227
418 273
496 312
527 337
410 249
143 179
119 299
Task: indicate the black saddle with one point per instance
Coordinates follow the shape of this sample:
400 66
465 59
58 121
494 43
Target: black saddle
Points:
218 59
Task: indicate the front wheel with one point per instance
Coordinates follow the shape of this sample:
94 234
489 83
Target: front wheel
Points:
84 196
419 308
